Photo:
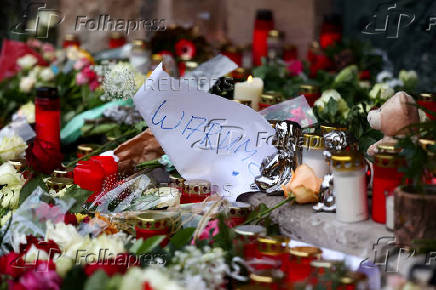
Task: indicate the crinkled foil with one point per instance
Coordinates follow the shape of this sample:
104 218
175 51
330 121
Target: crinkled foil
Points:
276 169
335 141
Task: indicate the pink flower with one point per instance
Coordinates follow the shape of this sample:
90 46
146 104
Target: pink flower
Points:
47 47
93 85
81 78
34 43
90 74
295 67
211 226
41 279
297 115
81 63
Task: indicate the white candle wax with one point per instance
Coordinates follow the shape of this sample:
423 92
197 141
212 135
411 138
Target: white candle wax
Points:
249 90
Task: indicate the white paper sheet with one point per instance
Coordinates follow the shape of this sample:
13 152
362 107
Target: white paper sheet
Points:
205 136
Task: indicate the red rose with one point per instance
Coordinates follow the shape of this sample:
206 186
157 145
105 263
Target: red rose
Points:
119 265
185 49
70 219
43 156
50 247
12 265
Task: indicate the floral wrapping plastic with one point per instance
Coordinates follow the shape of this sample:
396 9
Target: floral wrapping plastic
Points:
296 110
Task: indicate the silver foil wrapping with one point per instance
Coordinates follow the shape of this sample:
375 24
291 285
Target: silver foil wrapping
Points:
276 169
335 141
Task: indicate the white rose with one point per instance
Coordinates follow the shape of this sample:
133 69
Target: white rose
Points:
27 61
385 91
156 277
325 98
384 76
27 84
35 254
27 111
67 237
34 72
409 78
63 265
47 74
9 175
112 243
5 218
10 196
11 147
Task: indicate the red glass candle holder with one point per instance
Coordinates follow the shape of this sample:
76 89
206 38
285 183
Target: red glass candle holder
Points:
151 223
386 179
116 40
263 24
70 40
246 241
311 93
195 191
48 116
428 101
331 31
274 248
301 257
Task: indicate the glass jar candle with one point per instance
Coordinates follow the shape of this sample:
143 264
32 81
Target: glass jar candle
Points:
386 179
301 257
311 93
48 116
116 40
262 25
140 56
349 181
267 279
245 241
71 40
313 148
152 223
196 190
268 99
85 149
428 100
238 212
275 248
320 268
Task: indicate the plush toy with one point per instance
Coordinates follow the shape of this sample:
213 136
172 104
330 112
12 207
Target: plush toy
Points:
393 116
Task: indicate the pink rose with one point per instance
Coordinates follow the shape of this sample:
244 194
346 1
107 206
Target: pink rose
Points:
47 47
93 85
81 78
81 63
295 67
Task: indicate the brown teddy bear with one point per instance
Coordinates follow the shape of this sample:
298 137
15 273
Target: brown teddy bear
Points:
393 116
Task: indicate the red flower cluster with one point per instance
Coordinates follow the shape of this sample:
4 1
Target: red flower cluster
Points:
86 75
119 265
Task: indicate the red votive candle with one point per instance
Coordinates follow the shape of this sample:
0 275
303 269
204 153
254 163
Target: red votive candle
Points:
151 223
301 257
195 191
428 101
48 116
273 248
245 242
386 179
262 25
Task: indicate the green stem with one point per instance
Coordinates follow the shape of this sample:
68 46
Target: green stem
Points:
100 148
262 214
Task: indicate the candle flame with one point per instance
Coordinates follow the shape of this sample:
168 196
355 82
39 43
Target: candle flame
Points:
249 79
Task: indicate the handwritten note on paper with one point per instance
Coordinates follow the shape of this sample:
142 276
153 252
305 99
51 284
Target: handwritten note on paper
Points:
205 136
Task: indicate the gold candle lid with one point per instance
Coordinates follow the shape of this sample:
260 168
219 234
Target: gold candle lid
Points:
85 148
325 264
58 183
306 252
191 65
71 37
139 44
427 96
327 129
250 230
273 244
154 220
197 186
244 102
347 161
313 142
353 278
276 33
308 89
425 143
156 57
271 98
239 209
266 276
387 156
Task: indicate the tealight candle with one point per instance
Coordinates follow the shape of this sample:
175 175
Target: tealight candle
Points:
250 90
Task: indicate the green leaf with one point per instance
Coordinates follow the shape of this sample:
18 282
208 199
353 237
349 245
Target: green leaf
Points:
182 237
143 247
75 279
97 281
30 186
79 194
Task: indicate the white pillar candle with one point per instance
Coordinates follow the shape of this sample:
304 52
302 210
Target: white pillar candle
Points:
249 90
390 212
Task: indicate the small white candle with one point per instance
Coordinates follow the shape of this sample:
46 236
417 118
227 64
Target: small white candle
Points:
249 90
